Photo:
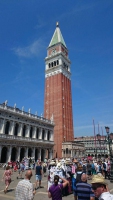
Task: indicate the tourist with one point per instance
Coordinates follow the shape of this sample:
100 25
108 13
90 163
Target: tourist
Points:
24 189
83 190
55 191
38 172
89 167
7 177
79 173
20 170
100 189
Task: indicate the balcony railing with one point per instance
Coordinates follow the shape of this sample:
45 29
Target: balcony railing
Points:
19 138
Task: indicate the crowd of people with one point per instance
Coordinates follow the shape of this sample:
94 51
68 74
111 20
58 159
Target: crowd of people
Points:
64 177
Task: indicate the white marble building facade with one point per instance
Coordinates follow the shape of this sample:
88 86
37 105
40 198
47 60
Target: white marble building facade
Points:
23 134
73 150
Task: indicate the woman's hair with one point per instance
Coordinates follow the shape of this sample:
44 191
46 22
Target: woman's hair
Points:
56 179
8 167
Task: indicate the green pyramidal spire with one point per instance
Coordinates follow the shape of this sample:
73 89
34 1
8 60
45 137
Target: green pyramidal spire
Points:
57 37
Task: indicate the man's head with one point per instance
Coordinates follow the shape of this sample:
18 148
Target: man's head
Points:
28 174
84 177
98 185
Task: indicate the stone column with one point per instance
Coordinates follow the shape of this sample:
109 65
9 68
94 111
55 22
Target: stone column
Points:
34 133
50 153
9 154
71 153
11 128
62 153
20 129
40 134
51 135
46 153
18 154
33 152
26 152
39 153
45 135
27 133
2 126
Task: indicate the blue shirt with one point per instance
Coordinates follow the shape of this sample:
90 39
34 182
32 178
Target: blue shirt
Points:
83 191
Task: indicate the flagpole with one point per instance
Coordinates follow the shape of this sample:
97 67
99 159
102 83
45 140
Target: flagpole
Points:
94 136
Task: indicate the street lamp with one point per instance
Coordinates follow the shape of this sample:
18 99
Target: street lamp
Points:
109 141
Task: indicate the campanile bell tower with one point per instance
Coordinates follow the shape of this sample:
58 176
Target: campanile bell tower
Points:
58 98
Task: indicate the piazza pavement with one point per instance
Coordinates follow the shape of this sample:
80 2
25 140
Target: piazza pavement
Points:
41 194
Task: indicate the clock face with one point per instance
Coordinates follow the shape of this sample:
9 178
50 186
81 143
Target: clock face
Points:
53 51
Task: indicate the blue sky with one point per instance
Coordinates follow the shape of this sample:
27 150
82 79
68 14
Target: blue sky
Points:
26 28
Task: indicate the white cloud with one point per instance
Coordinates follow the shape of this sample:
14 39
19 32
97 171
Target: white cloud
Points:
33 49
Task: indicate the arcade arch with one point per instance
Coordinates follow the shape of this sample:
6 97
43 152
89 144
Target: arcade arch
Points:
13 154
29 152
22 153
4 155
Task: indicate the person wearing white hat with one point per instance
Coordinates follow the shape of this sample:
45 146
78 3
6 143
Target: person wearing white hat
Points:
100 189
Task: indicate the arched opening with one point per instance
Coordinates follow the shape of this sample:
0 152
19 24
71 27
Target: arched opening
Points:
48 135
24 130
29 152
57 62
16 129
7 127
22 153
36 154
31 130
43 133
13 154
54 63
49 65
42 154
67 151
37 133
99 155
4 155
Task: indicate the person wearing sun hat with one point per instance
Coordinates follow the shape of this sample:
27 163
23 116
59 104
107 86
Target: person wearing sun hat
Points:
100 189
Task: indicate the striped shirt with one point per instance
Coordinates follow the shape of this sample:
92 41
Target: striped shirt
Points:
24 190
83 191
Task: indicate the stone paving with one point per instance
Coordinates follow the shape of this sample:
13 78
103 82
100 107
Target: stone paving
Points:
41 194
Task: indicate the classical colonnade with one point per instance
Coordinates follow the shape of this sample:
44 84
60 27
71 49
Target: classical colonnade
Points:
24 130
23 134
12 153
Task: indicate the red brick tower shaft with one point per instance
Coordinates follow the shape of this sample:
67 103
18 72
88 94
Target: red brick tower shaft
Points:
58 98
